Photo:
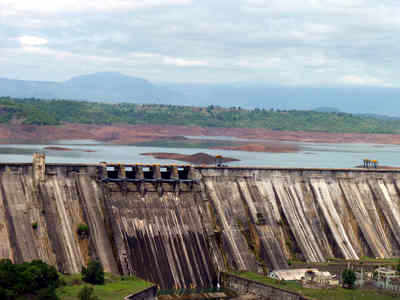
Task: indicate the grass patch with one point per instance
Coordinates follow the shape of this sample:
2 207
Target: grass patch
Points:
83 230
321 294
115 287
341 261
379 260
34 225
366 259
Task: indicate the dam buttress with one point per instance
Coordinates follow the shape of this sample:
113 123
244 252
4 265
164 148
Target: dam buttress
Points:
179 225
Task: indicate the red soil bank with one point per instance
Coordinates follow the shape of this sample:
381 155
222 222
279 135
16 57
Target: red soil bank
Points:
130 134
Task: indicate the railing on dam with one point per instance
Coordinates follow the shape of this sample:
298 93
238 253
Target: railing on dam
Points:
146 173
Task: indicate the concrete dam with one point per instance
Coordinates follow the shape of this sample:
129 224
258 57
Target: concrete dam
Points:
179 225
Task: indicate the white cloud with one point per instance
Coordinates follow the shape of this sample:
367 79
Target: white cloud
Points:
180 62
27 41
302 6
310 42
259 63
363 80
144 54
11 7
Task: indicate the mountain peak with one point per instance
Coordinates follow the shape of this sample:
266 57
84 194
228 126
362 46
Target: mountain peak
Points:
100 77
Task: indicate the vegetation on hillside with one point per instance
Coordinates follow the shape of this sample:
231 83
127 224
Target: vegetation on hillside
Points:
83 231
36 278
87 293
349 278
114 287
94 273
56 112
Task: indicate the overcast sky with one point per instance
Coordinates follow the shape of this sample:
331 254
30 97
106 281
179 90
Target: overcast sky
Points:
285 42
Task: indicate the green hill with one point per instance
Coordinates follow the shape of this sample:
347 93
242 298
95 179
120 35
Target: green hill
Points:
56 112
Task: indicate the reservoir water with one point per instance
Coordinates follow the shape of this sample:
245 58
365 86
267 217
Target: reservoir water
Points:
311 154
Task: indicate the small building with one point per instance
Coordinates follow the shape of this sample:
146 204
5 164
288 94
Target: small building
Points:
384 273
290 274
311 278
386 278
394 284
319 279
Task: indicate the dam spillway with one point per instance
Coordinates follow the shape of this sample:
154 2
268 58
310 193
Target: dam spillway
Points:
178 226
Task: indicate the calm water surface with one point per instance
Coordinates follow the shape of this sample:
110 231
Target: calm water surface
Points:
311 155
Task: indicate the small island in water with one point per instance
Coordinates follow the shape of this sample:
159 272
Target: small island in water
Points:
197 159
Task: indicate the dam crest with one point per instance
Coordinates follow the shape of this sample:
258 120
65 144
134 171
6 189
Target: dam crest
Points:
180 225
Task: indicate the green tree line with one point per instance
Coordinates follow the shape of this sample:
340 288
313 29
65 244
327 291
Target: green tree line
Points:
57 112
34 278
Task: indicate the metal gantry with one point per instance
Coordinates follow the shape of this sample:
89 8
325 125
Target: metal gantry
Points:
368 163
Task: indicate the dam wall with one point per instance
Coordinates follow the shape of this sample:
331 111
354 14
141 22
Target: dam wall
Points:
311 214
148 294
179 226
263 291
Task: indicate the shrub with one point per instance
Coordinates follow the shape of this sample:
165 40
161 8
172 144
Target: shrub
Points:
47 294
94 273
349 278
86 293
76 281
375 275
62 282
83 230
6 294
34 225
26 278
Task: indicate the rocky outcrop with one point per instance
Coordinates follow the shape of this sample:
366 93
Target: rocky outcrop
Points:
180 226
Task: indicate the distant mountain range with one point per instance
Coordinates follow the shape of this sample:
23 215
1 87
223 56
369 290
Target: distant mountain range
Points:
116 87
110 87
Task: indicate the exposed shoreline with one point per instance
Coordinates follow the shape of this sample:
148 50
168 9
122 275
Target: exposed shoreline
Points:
264 140
271 147
55 148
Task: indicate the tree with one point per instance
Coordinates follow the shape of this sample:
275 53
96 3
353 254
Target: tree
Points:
47 294
349 278
35 277
86 293
6 294
83 231
34 225
94 273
